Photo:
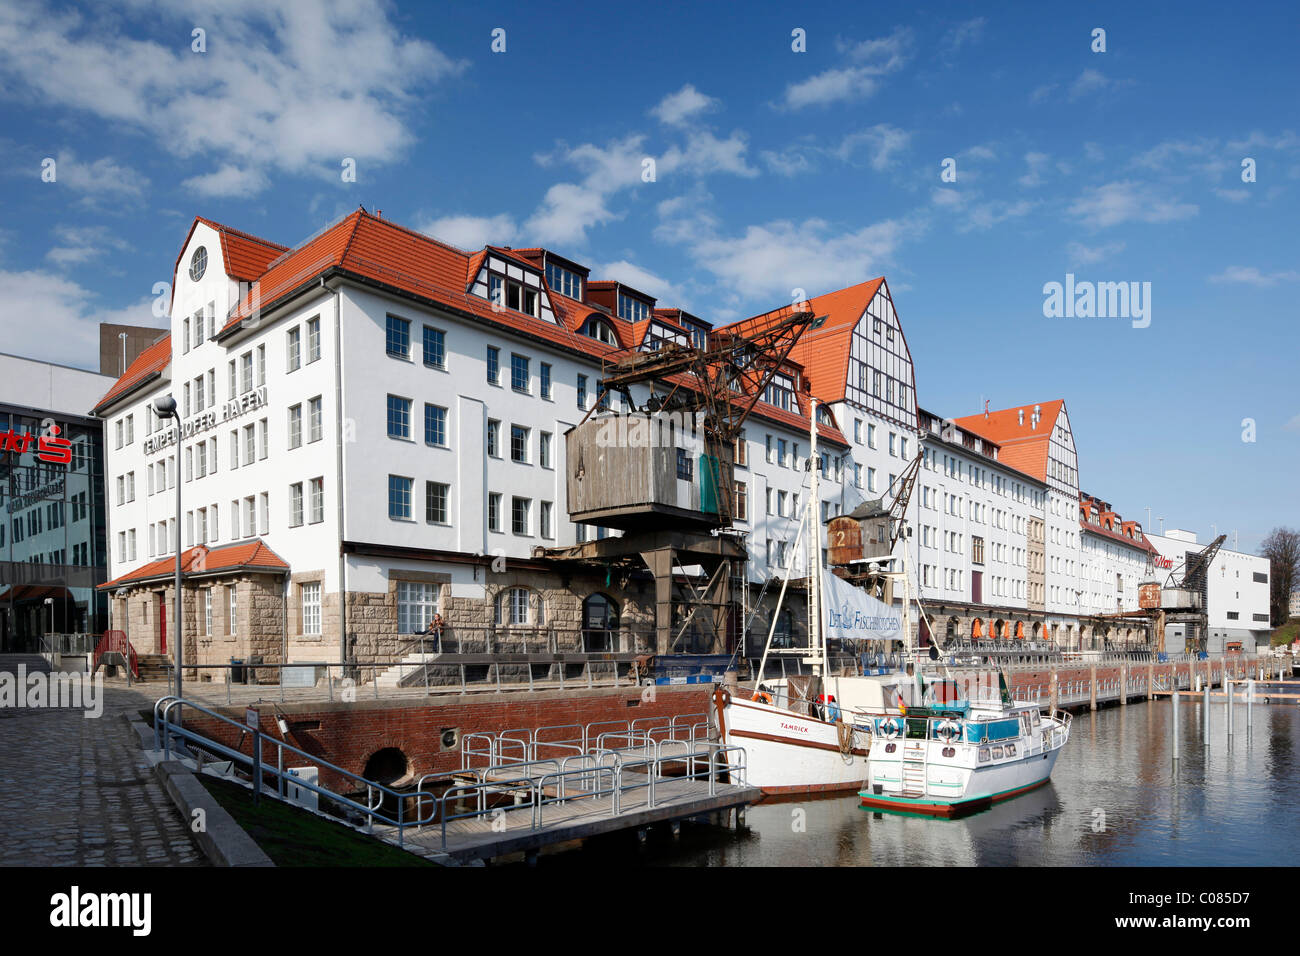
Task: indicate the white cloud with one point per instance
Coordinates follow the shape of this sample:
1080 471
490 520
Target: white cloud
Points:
68 328
639 278
971 212
80 244
1042 93
1250 275
786 164
229 180
882 141
970 31
471 232
100 179
1036 162
1126 201
869 59
705 153
1088 82
1088 255
1293 425
568 210
768 261
1233 195
269 93
687 103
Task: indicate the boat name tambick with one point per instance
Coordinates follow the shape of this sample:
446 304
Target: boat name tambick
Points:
785 726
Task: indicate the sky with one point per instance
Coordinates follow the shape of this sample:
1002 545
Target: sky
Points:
971 154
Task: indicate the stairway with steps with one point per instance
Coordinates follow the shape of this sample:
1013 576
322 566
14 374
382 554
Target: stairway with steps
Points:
34 663
407 670
154 667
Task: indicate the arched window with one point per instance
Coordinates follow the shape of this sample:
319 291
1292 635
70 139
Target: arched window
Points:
600 330
519 607
599 623
977 629
954 629
1000 629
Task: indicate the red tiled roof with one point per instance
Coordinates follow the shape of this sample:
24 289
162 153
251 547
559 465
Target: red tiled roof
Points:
1143 545
246 256
824 351
149 362
250 554
1024 447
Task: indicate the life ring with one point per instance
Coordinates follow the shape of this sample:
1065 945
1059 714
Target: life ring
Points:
890 728
948 730
762 697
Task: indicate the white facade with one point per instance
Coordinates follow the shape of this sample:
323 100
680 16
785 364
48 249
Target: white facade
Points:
1237 588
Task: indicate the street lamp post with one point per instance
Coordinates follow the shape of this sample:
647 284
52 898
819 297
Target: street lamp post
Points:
166 408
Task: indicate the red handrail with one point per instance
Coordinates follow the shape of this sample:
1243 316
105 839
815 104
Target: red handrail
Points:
115 642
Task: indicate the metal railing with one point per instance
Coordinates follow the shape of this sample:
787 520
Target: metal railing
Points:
167 730
551 784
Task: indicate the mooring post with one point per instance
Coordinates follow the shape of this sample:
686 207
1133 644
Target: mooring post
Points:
1056 700
1250 699
1151 680
1176 730
1227 687
1205 731
1123 685
1092 686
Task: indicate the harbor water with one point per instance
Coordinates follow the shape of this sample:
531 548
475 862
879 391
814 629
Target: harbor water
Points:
1114 800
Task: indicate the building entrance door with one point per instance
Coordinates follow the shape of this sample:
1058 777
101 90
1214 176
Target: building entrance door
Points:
162 624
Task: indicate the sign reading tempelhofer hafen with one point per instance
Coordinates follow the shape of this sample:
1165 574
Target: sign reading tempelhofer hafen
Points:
235 408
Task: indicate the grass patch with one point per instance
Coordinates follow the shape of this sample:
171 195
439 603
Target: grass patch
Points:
1287 632
292 836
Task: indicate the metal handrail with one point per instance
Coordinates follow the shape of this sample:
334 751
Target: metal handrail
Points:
162 721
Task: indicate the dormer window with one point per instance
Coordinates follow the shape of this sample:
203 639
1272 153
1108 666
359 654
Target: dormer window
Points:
564 281
198 264
633 310
780 392
600 330
512 295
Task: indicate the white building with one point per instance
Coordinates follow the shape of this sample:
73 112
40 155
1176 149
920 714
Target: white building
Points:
433 387
1236 595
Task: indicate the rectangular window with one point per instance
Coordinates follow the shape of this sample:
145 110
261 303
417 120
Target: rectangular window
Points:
742 501
313 340
740 450
494 511
234 449
545 385
519 509
295 426
398 337
544 450
435 425
417 603
435 351
435 502
399 417
519 444
185 335
564 281
871 436
261 365
250 517
246 372
317 500
871 479
295 505
493 365
493 438
544 520
781 452
262 430
582 391
293 348
399 498
314 419
519 375
250 444
311 608
207 611
683 464
232 622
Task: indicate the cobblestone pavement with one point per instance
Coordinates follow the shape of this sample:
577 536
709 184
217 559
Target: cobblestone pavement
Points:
79 792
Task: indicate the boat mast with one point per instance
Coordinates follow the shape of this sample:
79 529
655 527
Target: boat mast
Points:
815 549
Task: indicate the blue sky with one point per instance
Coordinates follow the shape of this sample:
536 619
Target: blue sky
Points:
774 170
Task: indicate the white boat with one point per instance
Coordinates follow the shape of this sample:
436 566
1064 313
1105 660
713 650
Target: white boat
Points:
797 737
960 757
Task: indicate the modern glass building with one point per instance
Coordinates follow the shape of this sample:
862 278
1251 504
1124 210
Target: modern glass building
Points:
53 534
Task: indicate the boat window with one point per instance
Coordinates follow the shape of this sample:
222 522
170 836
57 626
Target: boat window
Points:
917 728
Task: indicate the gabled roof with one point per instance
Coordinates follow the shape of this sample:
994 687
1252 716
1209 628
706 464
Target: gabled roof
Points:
148 365
823 351
246 556
246 256
1024 445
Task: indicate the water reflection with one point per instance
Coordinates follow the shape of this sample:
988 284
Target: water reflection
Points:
1113 801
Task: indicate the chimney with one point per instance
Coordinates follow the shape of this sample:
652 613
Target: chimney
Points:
1021 415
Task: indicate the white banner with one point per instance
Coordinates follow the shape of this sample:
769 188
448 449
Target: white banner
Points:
853 614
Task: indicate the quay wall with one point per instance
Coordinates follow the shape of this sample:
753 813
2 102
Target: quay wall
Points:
349 734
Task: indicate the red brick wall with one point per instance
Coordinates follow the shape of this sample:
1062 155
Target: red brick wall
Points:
350 733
